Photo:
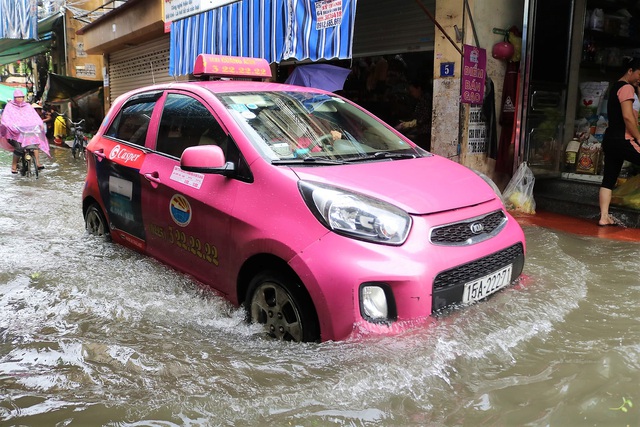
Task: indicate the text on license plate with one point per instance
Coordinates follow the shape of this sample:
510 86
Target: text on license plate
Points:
485 286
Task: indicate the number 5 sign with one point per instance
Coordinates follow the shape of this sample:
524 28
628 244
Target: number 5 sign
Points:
447 69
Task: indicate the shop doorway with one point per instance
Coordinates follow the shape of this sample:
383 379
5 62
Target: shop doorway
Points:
385 85
543 93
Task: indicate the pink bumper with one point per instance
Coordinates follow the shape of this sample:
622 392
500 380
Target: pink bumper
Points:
342 265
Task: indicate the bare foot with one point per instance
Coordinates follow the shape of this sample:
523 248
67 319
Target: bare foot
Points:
608 221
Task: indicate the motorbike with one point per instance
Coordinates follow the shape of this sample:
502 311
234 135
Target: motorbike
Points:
27 161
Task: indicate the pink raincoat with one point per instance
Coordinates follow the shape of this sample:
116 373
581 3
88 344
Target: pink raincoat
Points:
21 122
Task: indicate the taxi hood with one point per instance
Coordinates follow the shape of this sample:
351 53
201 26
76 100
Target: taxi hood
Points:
419 186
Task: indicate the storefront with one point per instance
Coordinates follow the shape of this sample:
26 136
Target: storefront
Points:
275 30
134 45
575 50
139 65
385 44
385 62
401 34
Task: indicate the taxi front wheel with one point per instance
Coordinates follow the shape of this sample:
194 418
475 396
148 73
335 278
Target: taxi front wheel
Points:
278 302
95 222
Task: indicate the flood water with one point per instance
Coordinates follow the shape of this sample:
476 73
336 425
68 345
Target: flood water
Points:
93 334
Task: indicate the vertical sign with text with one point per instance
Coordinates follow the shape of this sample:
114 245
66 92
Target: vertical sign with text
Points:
474 70
477 137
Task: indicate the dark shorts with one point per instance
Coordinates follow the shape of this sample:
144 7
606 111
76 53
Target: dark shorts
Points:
616 151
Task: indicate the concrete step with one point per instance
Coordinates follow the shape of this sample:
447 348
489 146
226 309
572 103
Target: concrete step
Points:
578 199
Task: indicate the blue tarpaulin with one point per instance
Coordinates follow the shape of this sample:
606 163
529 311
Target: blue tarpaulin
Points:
18 19
275 30
319 29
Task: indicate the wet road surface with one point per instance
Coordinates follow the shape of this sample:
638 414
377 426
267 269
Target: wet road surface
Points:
93 334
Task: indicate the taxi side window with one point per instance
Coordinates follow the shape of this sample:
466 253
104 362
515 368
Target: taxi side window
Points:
186 122
132 122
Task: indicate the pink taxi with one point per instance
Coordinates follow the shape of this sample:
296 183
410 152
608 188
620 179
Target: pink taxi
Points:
319 219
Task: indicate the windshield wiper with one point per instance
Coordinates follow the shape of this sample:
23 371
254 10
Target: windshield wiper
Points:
308 161
383 155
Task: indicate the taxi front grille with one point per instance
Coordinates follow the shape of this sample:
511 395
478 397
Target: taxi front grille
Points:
481 267
448 286
469 231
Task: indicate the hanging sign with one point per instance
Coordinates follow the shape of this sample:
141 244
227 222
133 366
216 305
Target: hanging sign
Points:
178 9
474 70
328 14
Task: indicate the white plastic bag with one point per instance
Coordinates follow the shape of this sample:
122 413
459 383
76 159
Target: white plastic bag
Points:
518 195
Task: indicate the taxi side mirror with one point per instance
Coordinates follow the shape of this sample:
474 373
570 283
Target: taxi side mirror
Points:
206 159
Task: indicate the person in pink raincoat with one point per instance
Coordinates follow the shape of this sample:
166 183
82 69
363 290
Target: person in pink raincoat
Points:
21 126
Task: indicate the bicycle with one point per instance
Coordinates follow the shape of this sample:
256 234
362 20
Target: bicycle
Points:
79 147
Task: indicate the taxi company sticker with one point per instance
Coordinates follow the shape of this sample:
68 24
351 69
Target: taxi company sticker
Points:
180 210
126 156
191 179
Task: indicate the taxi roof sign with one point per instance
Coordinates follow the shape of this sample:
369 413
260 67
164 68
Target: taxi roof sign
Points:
231 66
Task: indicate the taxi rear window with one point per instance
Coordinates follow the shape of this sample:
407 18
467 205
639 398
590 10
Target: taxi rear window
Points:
132 122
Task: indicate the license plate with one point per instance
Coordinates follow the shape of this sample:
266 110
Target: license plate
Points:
485 286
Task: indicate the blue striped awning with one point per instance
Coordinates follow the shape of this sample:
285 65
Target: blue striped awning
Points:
18 19
275 30
246 28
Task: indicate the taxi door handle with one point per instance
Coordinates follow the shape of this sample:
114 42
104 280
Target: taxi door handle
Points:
154 178
100 154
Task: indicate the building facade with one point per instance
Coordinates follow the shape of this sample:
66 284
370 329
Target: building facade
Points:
134 41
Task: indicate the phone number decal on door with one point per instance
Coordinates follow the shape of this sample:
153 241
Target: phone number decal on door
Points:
191 244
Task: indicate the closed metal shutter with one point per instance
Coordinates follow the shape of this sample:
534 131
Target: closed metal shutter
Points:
138 66
386 27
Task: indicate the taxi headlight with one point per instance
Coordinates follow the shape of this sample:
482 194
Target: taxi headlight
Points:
374 304
356 215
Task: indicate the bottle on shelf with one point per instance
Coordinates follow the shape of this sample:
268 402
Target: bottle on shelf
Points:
571 154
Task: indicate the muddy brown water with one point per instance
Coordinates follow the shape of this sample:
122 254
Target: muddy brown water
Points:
93 334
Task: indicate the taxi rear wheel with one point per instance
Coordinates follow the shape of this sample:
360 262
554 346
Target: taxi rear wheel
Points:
95 222
277 301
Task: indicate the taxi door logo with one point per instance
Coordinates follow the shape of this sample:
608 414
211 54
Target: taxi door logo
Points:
180 210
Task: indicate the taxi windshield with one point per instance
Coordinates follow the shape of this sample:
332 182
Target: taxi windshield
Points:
306 126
